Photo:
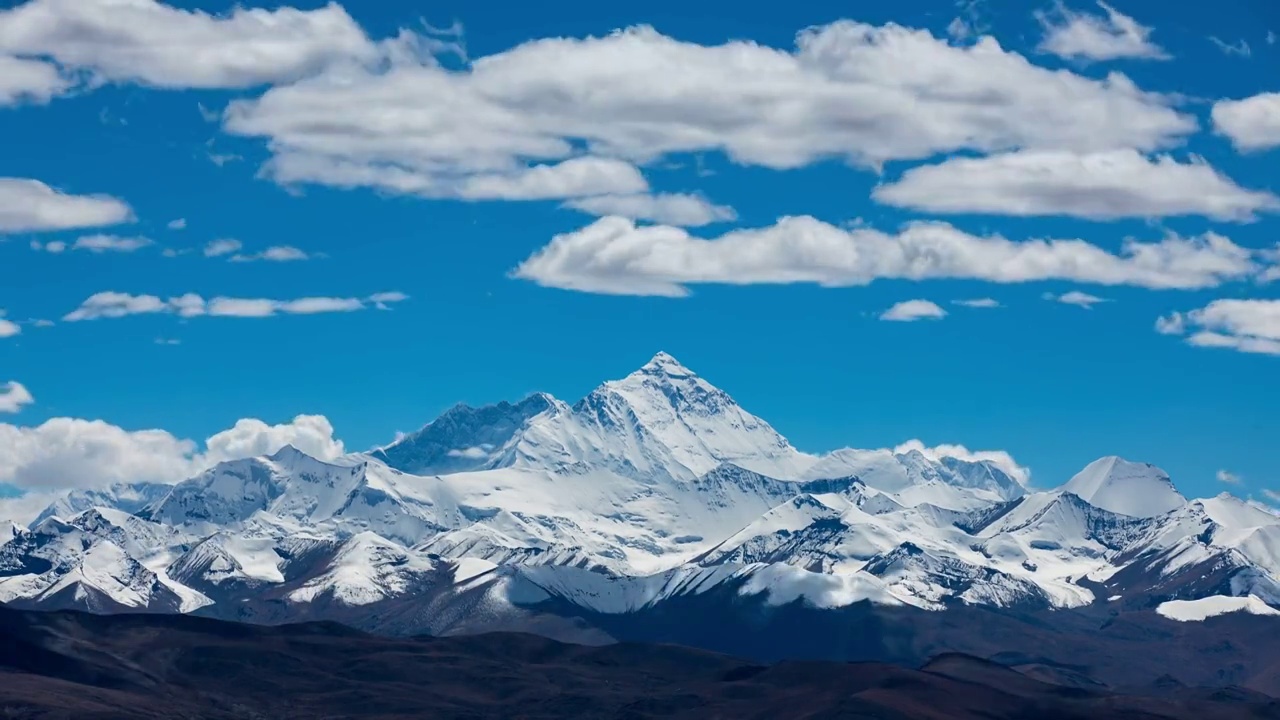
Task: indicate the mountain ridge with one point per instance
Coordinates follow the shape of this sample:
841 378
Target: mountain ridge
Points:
653 492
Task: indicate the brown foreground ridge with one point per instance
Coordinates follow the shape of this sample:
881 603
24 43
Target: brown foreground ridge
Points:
75 665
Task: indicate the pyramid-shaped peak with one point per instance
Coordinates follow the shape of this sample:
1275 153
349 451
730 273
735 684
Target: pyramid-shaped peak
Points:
1129 488
665 364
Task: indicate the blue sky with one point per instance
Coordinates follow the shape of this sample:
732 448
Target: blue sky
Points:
1054 383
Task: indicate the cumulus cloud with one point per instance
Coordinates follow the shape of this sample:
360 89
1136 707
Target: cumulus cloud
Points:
13 397
978 303
312 434
8 328
615 256
1087 36
912 310
1077 298
1098 186
31 206
508 125
665 208
147 42
1230 478
277 253
29 81
222 246
1250 326
999 458
116 305
69 453
1252 123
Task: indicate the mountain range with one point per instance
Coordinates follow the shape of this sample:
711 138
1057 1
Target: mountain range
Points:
656 508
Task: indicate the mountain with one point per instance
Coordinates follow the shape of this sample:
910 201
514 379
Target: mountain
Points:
463 438
1128 488
128 497
655 508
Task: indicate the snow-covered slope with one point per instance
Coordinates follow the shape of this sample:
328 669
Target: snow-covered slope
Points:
1135 489
653 488
1205 608
128 497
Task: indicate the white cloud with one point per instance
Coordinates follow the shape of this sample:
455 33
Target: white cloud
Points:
1099 186
150 43
24 509
29 81
1240 47
1085 36
471 453
1077 298
999 458
576 177
168 341
979 303
178 224
116 305
1228 477
312 434
30 206
1273 496
65 453
1252 123
1171 324
8 328
615 256
1250 326
277 253
222 246
912 310
100 243
508 124
665 208
13 396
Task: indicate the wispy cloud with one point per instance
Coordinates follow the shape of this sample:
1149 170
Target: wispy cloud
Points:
1239 48
116 305
222 246
978 303
1077 298
1087 36
277 253
1228 477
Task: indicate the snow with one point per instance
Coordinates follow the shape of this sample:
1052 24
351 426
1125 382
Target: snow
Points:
468 568
1128 488
653 486
1204 608
367 568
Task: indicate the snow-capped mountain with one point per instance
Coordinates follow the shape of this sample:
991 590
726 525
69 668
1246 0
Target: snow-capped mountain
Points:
653 491
1128 488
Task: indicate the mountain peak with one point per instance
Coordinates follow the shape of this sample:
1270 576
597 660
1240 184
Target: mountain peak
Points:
665 364
1124 487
